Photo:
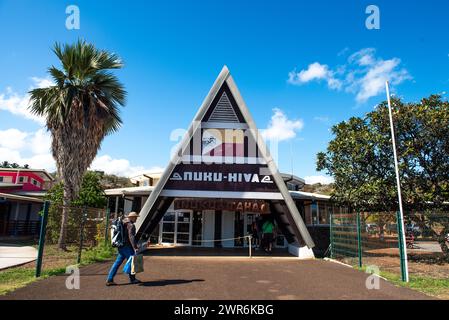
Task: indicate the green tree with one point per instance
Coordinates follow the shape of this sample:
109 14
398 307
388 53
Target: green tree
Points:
91 195
360 158
80 110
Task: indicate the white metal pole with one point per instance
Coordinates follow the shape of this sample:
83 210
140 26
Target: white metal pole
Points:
398 182
250 246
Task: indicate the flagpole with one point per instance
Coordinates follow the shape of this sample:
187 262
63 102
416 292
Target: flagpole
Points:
398 182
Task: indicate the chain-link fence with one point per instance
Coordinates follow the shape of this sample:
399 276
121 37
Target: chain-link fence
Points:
86 239
373 239
86 229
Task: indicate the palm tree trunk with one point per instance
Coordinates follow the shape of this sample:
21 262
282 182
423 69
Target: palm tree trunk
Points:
65 217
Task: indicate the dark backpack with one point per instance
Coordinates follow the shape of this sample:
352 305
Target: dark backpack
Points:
117 233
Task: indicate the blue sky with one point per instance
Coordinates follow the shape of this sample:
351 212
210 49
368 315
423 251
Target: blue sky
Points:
308 65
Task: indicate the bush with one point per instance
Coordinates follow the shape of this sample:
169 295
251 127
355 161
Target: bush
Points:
91 196
100 253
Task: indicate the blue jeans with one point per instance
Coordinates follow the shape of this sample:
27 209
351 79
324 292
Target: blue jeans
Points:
123 255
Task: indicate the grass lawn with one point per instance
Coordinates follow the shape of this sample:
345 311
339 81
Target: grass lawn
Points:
55 262
436 287
14 278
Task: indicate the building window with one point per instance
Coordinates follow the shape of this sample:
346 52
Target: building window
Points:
314 210
23 179
324 212
35 182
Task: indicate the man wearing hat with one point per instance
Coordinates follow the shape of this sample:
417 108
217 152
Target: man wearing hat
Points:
127 250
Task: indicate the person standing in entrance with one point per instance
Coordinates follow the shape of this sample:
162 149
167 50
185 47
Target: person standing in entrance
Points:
267 237
127 250
255 235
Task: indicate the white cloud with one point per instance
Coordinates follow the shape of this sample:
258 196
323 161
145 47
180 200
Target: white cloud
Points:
364 57
42 82
34 149
318 179
280 127
121 167
12 139
373 83
17 103
364 74
315 71
41 142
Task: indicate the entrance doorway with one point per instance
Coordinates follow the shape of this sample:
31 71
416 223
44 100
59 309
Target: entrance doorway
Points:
249 219
176 228
243 227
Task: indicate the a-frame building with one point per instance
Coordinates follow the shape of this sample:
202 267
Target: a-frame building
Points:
223 164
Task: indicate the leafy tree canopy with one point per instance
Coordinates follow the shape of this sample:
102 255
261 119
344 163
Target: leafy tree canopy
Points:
360 157
7 164
91 193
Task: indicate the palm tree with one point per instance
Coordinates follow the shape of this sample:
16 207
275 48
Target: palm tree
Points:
80 110
5 164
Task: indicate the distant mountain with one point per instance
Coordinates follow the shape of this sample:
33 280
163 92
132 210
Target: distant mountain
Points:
326 189
111 181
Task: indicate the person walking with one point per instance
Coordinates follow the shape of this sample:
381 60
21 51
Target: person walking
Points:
267 237
128 249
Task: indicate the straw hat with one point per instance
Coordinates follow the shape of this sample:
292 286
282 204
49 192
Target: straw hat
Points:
132 214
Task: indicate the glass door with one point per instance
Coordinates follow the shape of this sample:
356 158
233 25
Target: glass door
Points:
183 228
175 228
197 228
250 218
168 229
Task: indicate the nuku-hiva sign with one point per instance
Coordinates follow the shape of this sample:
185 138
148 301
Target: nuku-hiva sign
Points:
223 156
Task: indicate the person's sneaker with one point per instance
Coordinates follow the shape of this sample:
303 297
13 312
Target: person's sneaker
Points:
135 281
110 283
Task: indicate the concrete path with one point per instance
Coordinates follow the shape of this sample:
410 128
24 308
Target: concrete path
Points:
12 255
236 278
428 246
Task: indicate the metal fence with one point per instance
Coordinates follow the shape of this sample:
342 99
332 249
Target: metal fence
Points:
86 229
374 239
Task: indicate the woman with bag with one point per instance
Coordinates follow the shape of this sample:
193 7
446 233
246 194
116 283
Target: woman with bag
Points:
127 250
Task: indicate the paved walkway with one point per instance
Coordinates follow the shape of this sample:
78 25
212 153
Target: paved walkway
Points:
221 278
12 255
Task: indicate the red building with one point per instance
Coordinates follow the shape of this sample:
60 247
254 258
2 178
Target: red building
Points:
21 194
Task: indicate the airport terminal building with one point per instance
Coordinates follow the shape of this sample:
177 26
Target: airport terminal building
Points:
186 224
220 181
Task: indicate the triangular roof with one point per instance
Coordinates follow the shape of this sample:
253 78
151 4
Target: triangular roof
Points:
223 106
